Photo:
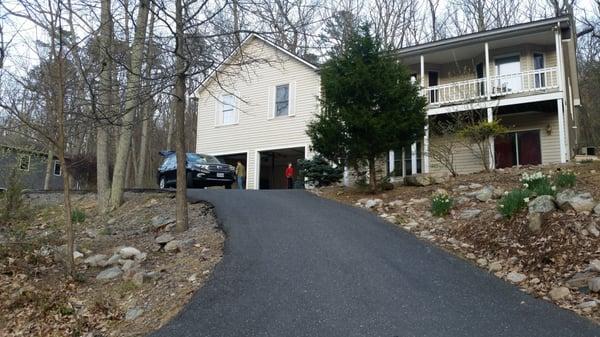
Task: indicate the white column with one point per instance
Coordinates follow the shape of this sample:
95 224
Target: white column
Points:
346 176
488 85
492 159
391 165
426 148
426 137
413 158
423 73
561 131
255 184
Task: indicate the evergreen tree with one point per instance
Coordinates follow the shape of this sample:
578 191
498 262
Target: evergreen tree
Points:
369 104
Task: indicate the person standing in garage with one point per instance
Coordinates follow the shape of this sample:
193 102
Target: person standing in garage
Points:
289 174
240 173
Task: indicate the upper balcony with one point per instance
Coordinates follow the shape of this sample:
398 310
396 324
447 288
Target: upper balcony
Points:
512 65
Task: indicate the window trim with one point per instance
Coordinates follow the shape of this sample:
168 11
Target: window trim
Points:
21 156
220 112
59 168
287 114
542 77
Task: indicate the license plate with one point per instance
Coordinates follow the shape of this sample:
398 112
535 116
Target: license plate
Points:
220 175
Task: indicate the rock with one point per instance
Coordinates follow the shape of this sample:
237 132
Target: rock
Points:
534 280
542 204
164 239
133 313
597 209
373 202
77 255
141 257
439 178
172 246
161 220
471 256
587 304
559 293
484 194
579 280
594 265
593 229
498 193
417 180
515 277
113 260
571 200
411 225
475 186
91 233
193 278
482 262
129 264
535 222
129 252
109 274
469 213
495 266
461 200
141 277
98 260
594 284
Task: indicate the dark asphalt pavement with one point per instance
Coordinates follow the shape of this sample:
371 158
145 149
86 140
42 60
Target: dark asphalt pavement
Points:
298 265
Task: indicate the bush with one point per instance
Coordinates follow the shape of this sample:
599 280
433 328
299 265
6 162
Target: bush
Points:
538 184
513 202
441 204
12 197
565 179
319 172
77 216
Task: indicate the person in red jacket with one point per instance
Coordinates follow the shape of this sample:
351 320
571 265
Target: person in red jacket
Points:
289 174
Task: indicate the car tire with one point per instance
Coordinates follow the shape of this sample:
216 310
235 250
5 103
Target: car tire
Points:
162 183
189 180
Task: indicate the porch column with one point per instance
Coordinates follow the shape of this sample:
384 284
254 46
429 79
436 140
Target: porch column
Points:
492 159
426 136
561 131
391 165
413 158
488 85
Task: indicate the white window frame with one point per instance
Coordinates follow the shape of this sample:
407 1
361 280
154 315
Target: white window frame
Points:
543 79
287 112
21 156
57 162
272 101
497 68
220 110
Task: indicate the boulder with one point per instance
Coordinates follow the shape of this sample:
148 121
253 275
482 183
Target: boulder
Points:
113 260
559 293
109 274
133 313
597 209
373 202
469 213
129 264
141 277
515 277
594 284
571 200
542 204
129 252
172 246
587 304
417 180
484 194
439 178
98 260
580 280
164 239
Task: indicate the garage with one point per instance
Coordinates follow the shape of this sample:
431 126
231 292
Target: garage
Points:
232 159
273 164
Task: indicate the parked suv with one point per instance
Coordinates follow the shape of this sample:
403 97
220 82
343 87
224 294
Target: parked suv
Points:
201 170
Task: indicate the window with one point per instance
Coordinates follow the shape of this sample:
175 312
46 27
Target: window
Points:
403 161
518 148
24 162
508 75
538 64
57 168
282 100
228 111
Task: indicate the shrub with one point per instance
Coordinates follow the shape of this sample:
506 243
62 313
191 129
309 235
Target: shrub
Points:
565 179
441 204
319 172
12 196
513 202
77 216
538 184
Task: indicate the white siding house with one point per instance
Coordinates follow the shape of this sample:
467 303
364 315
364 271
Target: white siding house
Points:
257 104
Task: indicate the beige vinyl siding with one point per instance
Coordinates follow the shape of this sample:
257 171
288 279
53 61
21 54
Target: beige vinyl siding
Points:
254 84
466 162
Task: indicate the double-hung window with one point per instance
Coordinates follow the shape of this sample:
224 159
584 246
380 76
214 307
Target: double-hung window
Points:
228 113
24 161
57 168
282 100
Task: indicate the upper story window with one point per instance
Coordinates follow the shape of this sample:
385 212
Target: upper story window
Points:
24 161
282 100
538 64
226 111
57 170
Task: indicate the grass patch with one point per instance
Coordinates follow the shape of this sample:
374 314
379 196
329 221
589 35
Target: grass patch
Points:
565 179
441 204
538 184
77 216
513 202
125 288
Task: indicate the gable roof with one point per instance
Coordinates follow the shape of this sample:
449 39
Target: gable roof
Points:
245 42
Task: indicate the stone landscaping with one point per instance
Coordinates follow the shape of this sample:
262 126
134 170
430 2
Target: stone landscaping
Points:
549 247
133 271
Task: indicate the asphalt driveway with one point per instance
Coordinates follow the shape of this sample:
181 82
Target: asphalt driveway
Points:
298 265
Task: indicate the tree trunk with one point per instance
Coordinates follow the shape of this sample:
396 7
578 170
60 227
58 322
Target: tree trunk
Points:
49 168
181 194
171 125
131 98
105 109
372 175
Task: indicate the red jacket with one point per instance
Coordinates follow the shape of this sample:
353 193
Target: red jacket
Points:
289 172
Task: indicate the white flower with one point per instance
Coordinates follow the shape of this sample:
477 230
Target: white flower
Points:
554 188
501 206
526 199
526 185
505 192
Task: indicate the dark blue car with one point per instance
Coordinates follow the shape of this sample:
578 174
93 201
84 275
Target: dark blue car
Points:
201 170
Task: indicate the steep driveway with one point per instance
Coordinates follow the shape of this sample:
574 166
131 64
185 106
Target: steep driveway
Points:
298 265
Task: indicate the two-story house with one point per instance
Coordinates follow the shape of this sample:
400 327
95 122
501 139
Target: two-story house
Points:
256 105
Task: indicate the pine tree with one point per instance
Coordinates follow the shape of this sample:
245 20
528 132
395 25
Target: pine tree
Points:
369 104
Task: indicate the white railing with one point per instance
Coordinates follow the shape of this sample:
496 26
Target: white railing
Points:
500 85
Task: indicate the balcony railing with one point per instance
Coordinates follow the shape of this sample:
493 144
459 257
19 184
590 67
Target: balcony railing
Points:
532 81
